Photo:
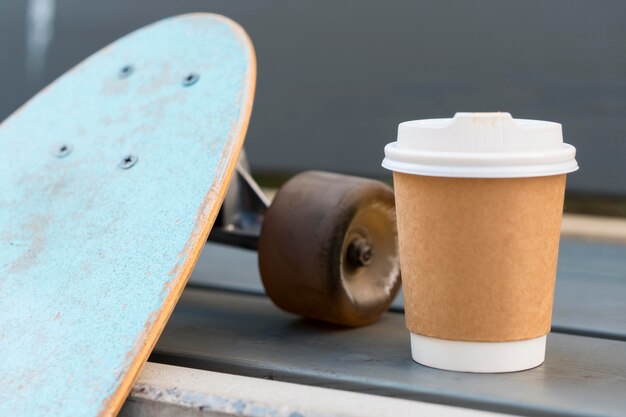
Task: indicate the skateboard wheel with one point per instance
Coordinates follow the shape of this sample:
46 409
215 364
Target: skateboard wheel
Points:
328 248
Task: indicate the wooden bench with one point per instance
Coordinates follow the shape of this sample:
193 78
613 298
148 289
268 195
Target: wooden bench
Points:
224 323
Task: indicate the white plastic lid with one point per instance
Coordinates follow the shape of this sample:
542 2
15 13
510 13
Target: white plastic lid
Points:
480 145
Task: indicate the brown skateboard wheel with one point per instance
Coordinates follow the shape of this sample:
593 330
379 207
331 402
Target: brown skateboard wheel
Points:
328 248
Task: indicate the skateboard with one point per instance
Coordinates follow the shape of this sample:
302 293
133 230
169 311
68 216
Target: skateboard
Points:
110 181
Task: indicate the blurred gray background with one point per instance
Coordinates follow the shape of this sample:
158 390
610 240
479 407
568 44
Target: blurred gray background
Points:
335 77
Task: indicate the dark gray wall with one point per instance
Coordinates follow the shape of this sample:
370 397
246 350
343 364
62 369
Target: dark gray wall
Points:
336 76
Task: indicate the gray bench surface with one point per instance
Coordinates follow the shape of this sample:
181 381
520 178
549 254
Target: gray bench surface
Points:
225 323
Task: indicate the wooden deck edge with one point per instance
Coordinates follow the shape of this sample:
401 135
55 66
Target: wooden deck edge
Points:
167 390
594 228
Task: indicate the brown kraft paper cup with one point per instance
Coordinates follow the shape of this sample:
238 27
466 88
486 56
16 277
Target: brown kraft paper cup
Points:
479 200
479 255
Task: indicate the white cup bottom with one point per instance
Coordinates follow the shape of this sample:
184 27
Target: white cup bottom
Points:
484 357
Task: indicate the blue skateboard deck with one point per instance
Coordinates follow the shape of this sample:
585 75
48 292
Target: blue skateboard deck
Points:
110 181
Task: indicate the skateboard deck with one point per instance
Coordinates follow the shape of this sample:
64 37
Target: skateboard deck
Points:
110 181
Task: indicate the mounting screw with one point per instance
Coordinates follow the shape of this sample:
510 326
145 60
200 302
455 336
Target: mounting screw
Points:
125 71
128 161
63 150
190 79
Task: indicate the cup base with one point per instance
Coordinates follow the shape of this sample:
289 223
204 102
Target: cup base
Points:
481 357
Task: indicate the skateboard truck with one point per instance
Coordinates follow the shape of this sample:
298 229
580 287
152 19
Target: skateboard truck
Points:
241 215
327 244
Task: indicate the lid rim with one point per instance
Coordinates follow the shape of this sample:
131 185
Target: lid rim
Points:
565 152
481 171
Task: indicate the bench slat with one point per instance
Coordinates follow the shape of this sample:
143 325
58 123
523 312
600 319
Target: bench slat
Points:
589 300
247 335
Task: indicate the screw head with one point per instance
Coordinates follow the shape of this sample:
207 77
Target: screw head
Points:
128 161
125 71
63 150
190 79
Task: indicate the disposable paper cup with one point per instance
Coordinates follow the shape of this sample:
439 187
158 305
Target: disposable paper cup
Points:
479 201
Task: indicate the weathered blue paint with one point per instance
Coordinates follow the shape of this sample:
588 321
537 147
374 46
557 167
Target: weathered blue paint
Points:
90 254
